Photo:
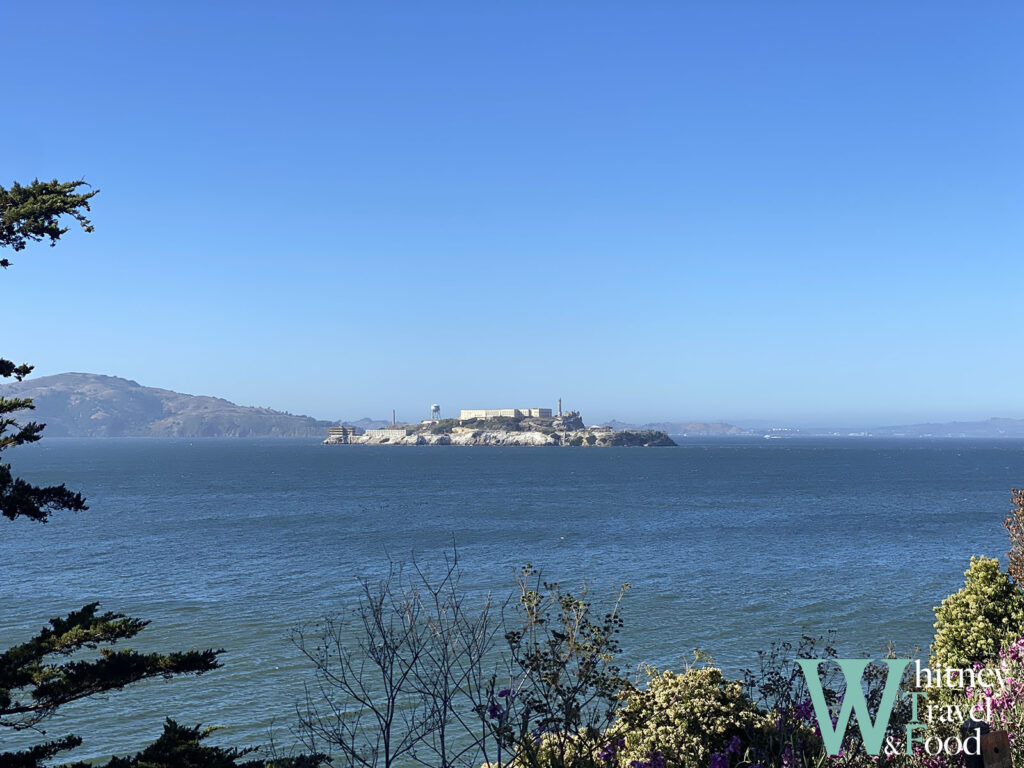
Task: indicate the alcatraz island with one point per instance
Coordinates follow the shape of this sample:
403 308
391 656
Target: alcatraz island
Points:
499 426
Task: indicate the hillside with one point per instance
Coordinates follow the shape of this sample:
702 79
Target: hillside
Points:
91 405
686 428
995 427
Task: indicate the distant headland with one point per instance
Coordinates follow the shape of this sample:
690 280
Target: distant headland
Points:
95 405
500 426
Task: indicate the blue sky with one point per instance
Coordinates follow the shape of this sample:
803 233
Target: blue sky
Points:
797 211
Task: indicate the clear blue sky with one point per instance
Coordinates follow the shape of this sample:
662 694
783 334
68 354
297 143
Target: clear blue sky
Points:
798 211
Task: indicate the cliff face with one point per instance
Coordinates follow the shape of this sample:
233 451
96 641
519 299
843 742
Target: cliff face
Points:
508 431
90 405
497 437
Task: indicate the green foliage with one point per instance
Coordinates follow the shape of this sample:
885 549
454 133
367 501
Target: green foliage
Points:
576 441
974 623
1014 525
58 666
181 747
18 497
495 424
34 212
34 681
27 213
640 437
565 686
686 717
444 426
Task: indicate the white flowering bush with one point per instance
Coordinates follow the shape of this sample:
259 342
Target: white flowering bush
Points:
682 719
974 624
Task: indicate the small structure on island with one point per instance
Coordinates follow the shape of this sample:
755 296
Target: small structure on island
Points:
435 412
343 434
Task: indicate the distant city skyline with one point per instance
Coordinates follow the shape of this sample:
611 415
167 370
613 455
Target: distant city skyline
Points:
784 212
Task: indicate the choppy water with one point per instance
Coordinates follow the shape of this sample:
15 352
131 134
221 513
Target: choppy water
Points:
728 546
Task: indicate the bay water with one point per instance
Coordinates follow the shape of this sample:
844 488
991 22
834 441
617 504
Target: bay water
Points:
729 545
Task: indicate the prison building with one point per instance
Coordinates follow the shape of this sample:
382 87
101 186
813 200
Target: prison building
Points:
515 413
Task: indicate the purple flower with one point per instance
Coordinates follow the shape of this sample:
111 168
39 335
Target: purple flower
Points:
805 710
505 692
654 760
608 752
494 711
719 760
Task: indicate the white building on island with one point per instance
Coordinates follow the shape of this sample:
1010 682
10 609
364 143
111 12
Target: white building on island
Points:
515 413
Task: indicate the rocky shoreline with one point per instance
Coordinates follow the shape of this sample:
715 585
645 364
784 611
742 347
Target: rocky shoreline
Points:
567 431
579 438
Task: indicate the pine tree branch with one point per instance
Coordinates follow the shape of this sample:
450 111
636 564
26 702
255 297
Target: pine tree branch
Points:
33 212
44 686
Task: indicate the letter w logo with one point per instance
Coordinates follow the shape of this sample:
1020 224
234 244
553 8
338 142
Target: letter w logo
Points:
854 701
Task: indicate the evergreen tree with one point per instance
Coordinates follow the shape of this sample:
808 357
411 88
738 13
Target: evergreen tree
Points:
32 213
73 657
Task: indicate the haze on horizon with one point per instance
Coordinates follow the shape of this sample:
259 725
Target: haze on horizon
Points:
786 212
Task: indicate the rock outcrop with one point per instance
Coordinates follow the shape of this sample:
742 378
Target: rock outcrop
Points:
560 431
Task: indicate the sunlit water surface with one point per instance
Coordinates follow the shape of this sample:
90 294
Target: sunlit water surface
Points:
728 547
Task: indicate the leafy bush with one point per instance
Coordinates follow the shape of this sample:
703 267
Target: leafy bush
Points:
495 424
1014 525
683 719
564 685
444 427
974 623
641 437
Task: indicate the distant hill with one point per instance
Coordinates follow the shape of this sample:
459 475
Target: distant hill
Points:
694 428
989 428
90 405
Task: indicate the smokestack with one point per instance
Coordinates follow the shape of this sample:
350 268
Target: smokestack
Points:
559 407
393 422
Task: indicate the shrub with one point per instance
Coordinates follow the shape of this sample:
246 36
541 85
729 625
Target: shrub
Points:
683 719
1014 525
444 427
495 423
976 622
564 685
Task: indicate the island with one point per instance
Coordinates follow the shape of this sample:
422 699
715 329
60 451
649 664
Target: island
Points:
500 426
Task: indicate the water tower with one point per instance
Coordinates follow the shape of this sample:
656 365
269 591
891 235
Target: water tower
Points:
435 412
